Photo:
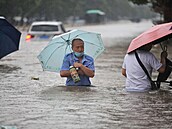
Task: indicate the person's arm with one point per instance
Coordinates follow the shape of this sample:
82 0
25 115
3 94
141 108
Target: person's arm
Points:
85 70
124 72
163 61
65 73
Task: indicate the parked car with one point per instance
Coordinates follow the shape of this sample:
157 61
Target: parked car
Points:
44 30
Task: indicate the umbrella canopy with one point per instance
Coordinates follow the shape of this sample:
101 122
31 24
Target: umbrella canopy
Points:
154 35
51 57
9 38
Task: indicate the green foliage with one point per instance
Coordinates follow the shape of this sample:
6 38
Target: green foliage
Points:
163 7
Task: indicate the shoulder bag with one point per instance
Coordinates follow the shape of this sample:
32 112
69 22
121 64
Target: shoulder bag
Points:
153 83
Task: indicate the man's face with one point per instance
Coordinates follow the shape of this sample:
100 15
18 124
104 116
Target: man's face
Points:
78 46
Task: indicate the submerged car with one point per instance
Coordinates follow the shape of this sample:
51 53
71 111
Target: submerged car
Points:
44 30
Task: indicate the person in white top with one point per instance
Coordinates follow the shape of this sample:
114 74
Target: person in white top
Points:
136 79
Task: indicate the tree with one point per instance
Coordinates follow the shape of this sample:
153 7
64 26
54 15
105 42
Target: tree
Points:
163 7
63 9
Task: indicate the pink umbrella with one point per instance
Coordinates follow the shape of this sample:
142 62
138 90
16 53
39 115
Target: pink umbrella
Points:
154 35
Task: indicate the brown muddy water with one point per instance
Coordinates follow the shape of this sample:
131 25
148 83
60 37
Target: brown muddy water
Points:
46 103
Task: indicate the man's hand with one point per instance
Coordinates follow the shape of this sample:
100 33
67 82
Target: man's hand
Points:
83 69
77 65
163 61
78 68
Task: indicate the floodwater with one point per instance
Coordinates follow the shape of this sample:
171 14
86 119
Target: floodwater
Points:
46 103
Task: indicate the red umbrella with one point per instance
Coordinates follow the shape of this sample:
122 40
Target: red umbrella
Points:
154 35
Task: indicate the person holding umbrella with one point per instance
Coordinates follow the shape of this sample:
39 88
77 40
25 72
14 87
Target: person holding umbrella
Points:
136 78
76 48
81 61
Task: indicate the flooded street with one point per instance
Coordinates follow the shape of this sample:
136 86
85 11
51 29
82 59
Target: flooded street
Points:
47 104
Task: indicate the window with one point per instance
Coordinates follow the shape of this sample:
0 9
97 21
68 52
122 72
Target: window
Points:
45 28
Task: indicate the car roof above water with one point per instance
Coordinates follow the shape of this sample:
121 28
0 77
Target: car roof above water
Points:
47 23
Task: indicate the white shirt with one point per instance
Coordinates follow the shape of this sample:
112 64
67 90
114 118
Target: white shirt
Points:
137 80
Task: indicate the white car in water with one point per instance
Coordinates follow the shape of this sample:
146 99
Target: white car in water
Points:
44 30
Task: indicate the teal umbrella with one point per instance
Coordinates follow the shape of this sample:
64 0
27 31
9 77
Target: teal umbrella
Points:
51 57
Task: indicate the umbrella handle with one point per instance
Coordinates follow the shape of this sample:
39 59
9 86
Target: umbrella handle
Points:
161 47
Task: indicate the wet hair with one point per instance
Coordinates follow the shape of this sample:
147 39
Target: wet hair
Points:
75 40
146 47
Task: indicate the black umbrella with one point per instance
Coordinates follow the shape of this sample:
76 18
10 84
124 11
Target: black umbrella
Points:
9 38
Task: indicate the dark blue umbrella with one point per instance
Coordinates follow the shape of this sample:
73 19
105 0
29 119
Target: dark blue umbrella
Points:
9 38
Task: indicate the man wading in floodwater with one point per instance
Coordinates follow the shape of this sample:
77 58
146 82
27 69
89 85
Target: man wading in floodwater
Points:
136 78
81 61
